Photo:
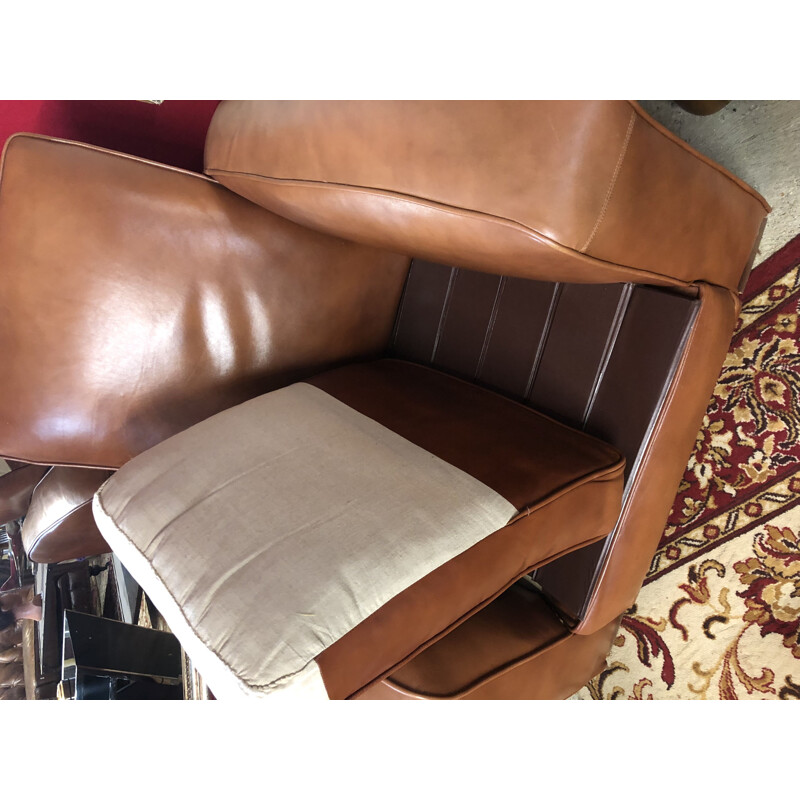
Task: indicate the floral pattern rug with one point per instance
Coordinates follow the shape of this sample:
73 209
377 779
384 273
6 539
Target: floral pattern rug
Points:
719 614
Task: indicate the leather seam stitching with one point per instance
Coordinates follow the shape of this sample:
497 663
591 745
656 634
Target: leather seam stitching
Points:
687 148
402 306
613 183
552 310
485 679
418 200
517 403
445 309
490 328
471 612
55 524
643 273
115 153
608 351
597 475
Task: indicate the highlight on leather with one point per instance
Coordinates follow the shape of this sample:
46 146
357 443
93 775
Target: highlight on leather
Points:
146 298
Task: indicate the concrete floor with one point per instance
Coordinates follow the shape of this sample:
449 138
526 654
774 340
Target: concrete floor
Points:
759 141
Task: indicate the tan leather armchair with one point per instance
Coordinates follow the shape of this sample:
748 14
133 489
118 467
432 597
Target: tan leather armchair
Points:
399 393
54 505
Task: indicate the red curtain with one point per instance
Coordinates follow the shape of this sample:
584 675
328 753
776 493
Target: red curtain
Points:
172 133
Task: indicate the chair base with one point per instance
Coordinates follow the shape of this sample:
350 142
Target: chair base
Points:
517 648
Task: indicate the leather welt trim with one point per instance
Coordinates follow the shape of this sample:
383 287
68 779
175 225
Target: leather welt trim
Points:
481 604
624 272
53 525
612 473
604 207
84 146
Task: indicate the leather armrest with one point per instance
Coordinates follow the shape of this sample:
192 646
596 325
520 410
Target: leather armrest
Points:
59 524
574 191
16 488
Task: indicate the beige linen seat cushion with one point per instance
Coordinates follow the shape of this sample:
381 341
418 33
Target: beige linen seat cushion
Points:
306 542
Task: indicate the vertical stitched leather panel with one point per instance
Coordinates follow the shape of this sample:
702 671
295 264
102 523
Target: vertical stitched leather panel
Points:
580 334
420 313
514 345
466 323
628 398
639 369
596 356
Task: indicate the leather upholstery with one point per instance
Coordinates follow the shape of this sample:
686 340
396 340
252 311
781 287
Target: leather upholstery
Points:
59 524
16 488
528 459
542 468
465 584
599 357
499 442
571 351
649 499
149 298
575 191
513 649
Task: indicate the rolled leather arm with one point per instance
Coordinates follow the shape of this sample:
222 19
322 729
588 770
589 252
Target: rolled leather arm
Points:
59 524
573 191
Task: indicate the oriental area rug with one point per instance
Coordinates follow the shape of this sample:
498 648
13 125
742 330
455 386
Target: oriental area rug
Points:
718 616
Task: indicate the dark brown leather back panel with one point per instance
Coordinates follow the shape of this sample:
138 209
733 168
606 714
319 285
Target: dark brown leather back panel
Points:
595 356
643 358
579 339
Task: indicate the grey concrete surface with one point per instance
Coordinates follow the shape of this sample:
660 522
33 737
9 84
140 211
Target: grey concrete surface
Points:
758 141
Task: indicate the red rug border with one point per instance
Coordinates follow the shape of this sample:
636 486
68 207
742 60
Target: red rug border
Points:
756 489
770 269
778 264
726 537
